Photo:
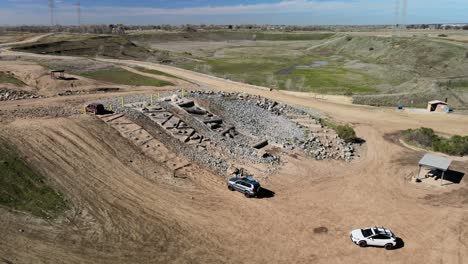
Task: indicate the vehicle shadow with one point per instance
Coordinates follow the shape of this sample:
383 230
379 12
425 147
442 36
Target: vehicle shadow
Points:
399 243
265 193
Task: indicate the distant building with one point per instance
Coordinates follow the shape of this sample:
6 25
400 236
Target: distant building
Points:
454 26
117 29
437 106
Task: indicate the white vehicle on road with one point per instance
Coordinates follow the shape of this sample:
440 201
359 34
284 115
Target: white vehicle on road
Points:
374 236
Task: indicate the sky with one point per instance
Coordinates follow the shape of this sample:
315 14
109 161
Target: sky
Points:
289 12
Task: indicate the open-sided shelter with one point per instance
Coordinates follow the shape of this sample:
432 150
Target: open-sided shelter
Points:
435 162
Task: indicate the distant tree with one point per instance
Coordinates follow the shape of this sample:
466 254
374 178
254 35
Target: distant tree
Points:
166 27
190 28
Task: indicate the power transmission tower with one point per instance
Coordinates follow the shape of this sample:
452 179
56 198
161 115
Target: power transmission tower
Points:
405 8
78 10
51 10
397 17
400 16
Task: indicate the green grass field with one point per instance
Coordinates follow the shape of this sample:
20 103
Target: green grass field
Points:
5 78
357 65
333 80
266 71
23 189
156 72
120 76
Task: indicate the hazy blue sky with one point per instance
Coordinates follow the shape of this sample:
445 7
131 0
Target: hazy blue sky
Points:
301 12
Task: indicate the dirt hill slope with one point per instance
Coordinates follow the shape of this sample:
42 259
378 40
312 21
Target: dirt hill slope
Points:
421 56
118 214
107 46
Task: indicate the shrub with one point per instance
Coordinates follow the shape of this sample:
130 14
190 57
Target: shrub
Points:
422 136
346 132
456 145
426 138
348 92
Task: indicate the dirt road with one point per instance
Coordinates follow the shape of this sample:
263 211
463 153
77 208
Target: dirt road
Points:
121 215
26 41
382 118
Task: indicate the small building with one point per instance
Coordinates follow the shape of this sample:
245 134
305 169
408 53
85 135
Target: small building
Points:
438 106
57 74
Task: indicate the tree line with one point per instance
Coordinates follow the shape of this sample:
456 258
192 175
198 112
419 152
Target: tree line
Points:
120 28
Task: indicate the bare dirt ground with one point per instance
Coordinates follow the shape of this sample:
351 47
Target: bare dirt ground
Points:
122 213
9 40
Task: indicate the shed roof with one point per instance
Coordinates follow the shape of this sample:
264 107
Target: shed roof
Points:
434 161
437 102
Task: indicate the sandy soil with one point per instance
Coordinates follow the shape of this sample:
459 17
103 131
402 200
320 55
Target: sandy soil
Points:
121 215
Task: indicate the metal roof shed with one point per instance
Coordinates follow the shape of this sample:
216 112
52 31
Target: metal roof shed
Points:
436 162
